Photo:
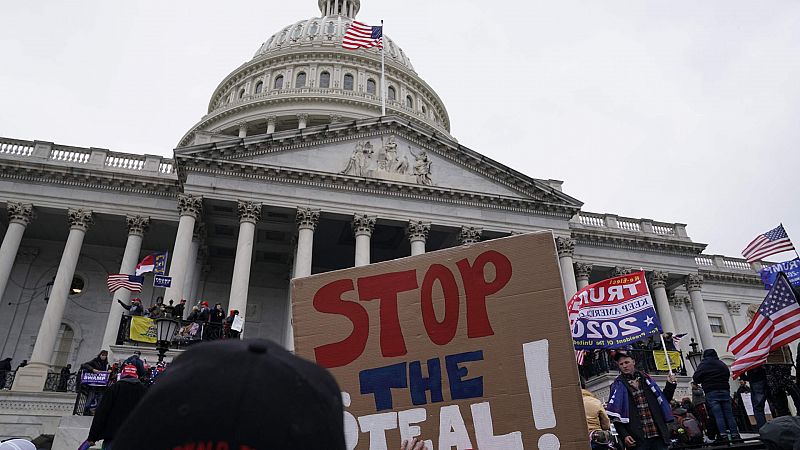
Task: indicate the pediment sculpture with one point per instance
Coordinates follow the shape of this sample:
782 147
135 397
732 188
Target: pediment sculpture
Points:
389 164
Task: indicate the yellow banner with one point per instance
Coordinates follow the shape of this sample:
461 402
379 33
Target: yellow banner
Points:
661 360
143 329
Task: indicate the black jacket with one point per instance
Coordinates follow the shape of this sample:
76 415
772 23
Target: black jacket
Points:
217 316
117 403
634 427
95 364
5 365
755 375
712 374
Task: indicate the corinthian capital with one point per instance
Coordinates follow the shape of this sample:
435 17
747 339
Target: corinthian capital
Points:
583 270
249 211
658 279
80 219
20 212
364 224
565 247
137 225
619 271
307 218
189 205
418 230
694 282
470 235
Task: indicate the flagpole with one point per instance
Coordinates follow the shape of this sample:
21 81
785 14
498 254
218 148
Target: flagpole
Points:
666 354
383 72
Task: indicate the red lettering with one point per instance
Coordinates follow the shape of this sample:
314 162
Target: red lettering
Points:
477 288
440 332
329 300
385 287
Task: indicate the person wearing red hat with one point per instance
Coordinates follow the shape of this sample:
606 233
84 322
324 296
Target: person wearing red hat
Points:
117 403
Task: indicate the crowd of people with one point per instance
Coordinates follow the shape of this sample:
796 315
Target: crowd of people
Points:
202 321
640 415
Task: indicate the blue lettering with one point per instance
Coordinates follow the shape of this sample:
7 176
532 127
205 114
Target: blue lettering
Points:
418 385
459 388
380 382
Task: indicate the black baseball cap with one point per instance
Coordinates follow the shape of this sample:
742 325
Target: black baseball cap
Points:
238 395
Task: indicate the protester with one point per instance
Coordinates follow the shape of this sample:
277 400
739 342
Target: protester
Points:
98 364
230 333
259 395
638 408
713 375
137 362
194 315
739 410
205 313
179 309
686 428
700 410
782 433
63 379
156 311
135 308
169 310
596 419
5 368
118 402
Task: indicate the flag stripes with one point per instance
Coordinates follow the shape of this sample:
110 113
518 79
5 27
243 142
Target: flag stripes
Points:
770 243
360 35
119 281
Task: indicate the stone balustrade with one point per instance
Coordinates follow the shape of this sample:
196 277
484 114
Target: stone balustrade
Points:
627 224
89 157
725 264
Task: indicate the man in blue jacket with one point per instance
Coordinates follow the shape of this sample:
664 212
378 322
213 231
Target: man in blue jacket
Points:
714 375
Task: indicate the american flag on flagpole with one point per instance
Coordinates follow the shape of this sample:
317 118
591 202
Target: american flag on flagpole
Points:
776 324
773 241
119 281
677 338
580 356
361 35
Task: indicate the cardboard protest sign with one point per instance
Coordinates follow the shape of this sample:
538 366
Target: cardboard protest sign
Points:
467 347
613 313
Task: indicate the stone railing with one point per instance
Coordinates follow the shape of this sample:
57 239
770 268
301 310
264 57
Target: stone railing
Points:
97 158
642 226
725 263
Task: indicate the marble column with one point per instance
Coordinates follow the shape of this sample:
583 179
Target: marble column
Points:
469 235
658 282
583 271
19 216
271 120
302 121
693 318
189 208
363 225
32 377
307 221
137 226
242 129
192 266
249 215
694 284
418 235
566 249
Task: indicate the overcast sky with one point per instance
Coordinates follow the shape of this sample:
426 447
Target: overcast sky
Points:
679 111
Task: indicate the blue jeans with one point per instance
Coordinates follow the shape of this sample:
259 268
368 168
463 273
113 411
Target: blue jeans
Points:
758 395
721 406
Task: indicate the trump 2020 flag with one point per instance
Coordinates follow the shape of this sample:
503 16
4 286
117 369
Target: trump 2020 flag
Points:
613 313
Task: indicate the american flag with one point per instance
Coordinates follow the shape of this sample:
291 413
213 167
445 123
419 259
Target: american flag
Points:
580 355
776 324
772 242
676 338
360 35
119 281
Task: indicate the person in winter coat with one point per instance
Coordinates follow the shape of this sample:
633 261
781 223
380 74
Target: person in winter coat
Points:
118 402
136 361
135 308
179 308
713 375
230 333
98 364
5 367
596 418
205 313
194 315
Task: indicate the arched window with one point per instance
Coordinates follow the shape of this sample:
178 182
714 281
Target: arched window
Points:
371 86
348 82
301 80
279 82
424 110
409 102
297 31
259 87
241 94
325 80
331 28
312 31
392 93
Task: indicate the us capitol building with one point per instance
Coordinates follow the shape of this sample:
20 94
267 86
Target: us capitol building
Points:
291 172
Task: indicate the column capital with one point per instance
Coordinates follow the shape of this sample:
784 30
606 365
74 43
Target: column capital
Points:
418 230
307 218
583 271
189 205
21 213
734 307
80 219
364 224
249 211
336 118
302 116
469 235
199 232
242 124
620 270
688 302
137 225
658 279
694 282
272 119
565 247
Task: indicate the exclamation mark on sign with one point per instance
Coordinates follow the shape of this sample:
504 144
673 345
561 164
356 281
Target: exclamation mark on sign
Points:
537 369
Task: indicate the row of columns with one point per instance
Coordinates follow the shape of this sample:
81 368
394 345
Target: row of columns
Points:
302 122
575 276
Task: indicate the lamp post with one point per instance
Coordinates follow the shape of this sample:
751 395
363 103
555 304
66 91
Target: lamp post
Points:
695 355
166 330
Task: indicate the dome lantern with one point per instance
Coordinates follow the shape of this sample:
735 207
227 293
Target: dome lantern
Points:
347 8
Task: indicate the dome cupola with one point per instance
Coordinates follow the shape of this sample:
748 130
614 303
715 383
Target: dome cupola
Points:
347 8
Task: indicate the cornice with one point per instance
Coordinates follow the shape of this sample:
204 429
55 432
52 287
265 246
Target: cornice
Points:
642 243
731 278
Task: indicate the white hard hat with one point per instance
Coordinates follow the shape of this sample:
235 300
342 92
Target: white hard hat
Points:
17 444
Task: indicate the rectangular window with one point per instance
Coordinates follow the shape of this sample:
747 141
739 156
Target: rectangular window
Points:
717 325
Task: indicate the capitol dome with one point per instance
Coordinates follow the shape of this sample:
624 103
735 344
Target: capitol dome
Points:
301 77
